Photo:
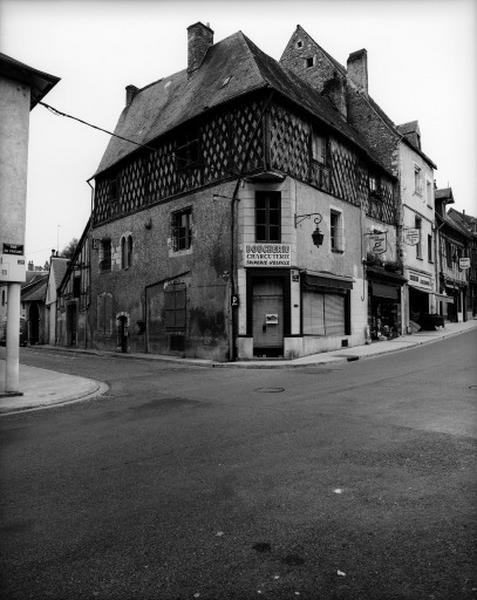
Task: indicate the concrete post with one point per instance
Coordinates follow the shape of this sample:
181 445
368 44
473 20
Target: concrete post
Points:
13 339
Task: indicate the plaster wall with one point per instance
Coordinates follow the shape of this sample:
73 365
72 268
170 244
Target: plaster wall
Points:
14 126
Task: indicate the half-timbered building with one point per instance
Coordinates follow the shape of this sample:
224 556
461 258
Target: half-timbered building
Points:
229 216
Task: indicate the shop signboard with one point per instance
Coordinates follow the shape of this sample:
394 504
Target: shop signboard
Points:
464 263
377 243
267 255
412 236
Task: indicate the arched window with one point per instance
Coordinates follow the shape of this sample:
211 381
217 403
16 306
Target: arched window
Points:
126 251
129 250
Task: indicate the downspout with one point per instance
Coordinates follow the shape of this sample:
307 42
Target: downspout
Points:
233 215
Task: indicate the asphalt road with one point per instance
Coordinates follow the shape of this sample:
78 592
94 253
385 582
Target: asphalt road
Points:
355 481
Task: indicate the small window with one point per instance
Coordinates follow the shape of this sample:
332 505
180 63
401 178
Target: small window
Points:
105 261
299 44
429 194
181 229
429 248
113 189
417 180
187 150
268 217
3 298
336 231
319 147
126 251
309 62
449 254
418 225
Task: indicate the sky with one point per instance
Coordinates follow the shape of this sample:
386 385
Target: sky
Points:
421 65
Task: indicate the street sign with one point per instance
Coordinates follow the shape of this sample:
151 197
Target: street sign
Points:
412 236
16 249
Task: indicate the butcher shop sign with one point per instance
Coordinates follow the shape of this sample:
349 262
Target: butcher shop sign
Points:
267 255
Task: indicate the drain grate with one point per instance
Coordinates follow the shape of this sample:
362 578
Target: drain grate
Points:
270 390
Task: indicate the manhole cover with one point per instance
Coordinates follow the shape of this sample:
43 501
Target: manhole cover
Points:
270 390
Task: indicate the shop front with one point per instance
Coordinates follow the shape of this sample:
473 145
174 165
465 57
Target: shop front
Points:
384 303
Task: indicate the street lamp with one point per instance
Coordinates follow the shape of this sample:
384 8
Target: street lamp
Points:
317 236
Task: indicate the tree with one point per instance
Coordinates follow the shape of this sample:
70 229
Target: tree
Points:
70 248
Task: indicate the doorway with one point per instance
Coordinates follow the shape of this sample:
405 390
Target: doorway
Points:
123 333
71 324
267 311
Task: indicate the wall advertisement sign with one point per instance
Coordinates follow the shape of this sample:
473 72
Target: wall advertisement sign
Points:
267 255
464 262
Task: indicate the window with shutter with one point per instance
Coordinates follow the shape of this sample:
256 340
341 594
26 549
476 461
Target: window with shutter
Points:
334 314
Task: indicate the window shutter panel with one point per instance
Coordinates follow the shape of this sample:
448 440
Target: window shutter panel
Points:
313 315
334 314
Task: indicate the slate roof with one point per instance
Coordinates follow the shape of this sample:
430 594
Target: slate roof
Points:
163 105
467 222
36 290
443 194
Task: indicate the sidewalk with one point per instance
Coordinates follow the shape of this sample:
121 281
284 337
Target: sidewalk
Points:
42 388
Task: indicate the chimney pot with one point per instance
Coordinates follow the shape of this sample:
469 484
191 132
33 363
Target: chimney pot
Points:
200 38
131 91
357 65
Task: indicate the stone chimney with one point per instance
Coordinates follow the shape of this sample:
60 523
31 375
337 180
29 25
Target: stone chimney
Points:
131 91
358 68
335 90
199 39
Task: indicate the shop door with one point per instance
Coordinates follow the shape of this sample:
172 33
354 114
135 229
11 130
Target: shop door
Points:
268 317
71 324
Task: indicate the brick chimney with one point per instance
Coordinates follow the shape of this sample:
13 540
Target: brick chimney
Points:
199 39
358 68
131 91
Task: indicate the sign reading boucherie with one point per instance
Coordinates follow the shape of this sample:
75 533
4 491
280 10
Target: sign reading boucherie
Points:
267 255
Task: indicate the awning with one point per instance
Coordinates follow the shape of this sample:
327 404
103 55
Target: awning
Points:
326 282
381 274
381 290
444 298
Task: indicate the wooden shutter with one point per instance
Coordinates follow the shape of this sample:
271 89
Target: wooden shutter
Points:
175 307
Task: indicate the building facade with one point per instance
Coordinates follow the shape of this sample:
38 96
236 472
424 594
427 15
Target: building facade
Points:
237 226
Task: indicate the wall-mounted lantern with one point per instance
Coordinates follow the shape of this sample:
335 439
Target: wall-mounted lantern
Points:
317 236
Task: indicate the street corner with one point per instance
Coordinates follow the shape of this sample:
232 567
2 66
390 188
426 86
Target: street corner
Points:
41 389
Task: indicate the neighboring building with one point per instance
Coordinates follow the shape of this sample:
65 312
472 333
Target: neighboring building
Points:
72 328
33 294
21 88
469 223
58 266
453 244
202 237
399 149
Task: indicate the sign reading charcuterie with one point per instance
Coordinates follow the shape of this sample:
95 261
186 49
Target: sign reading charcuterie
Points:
267 255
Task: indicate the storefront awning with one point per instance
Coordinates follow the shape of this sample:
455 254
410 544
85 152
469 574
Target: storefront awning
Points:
444 298
381 290
326 282
381 274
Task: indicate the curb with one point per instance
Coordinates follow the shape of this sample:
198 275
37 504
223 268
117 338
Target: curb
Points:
99 389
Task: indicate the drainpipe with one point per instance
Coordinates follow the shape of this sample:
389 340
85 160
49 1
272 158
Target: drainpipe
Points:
233 219
90 252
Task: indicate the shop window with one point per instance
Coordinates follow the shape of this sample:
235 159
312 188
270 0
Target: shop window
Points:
418 225
105 261
181 229
268 216
336 231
